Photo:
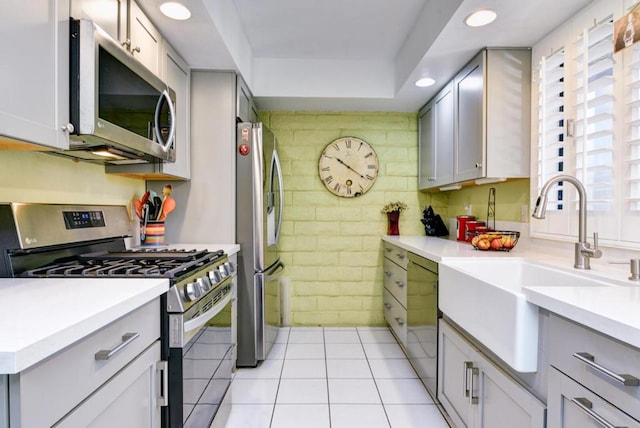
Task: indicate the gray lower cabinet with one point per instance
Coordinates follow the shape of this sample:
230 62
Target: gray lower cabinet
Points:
475 392
82 386
571 405
594 379
395 290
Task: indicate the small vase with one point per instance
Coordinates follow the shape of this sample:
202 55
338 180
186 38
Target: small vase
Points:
393 227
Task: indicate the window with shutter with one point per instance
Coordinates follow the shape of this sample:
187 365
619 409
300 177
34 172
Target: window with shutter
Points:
551 120
592 131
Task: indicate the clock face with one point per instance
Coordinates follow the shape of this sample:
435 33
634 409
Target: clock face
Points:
348 167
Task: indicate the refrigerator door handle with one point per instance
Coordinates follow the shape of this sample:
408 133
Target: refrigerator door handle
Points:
276 161
274 272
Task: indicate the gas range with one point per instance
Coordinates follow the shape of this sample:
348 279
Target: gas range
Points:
75 241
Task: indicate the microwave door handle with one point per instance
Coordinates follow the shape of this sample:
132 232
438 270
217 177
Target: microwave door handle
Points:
172 131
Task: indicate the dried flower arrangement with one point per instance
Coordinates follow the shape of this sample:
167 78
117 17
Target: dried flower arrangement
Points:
393 207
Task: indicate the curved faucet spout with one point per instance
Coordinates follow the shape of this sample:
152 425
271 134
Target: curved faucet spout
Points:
583 251
541 203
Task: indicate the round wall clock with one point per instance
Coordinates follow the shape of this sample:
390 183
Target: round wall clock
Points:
348 167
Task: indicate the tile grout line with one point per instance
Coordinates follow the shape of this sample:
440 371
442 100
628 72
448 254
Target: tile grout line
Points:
326 373
275 400
384 409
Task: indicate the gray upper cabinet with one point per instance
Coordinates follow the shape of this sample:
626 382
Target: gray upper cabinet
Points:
110 15
469 160
143 40
34 39
246 108
436 127
478 125
124 21
493 124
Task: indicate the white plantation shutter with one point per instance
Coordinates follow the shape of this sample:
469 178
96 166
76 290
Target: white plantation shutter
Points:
630 146
594 116
598 125
551 121
631 187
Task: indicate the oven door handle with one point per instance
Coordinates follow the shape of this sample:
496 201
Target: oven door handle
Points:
202 319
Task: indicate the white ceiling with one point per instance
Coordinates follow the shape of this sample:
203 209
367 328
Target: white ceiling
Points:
349 54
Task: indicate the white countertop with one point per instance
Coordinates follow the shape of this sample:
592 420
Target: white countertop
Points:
39 317
614 310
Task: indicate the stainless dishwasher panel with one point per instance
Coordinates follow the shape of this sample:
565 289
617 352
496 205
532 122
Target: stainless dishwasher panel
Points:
422 319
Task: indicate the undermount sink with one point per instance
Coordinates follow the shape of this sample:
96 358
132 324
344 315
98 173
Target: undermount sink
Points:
485 298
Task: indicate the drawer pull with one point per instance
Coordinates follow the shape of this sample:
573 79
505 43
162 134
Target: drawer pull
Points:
624 379
586 406
106 354
400 256
389 274
387 305
399 320
400 284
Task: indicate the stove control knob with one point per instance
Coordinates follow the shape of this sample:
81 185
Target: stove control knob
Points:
215 276
228 267
192 291
204 284
223 271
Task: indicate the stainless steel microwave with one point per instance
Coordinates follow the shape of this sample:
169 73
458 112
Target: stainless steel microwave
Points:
121 112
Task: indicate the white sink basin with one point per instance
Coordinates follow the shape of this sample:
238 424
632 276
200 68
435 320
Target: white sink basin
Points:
484 296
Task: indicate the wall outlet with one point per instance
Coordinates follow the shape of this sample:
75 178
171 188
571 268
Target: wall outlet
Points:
524 214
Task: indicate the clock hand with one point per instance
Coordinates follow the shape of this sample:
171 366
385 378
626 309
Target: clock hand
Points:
340 160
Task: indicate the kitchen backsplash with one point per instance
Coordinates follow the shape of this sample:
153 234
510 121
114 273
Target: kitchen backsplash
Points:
27 176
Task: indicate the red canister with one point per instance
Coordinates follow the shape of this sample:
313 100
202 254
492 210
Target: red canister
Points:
461 229
473 227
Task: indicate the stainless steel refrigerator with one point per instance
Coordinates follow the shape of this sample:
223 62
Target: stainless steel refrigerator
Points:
259 207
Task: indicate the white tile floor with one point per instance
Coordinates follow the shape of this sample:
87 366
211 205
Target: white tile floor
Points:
332 378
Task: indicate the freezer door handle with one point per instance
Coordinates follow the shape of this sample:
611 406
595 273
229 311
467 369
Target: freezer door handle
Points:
276 162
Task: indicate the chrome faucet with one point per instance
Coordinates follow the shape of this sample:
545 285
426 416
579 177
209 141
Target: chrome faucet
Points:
583 251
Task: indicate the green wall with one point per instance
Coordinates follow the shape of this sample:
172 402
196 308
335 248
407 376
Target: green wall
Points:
27 176
510 197
331 245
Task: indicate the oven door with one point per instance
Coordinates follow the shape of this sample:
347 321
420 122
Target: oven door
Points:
200 367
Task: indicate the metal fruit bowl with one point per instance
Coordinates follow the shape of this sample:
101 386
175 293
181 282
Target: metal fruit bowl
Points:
495 240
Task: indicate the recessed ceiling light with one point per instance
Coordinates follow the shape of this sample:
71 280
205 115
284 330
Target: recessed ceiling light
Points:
175 10
425 82
480 18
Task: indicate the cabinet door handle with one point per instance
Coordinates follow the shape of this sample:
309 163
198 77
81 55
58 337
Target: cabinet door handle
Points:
389 274
586 406
473 399
106 354
163 368
469 373
387 305
399 320
400 256
478 165
624 379
468 365
400 284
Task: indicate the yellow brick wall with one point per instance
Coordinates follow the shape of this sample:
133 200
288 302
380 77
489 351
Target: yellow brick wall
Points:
332 245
